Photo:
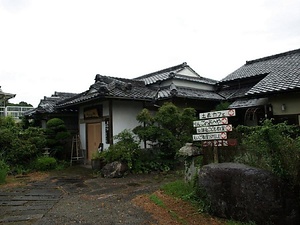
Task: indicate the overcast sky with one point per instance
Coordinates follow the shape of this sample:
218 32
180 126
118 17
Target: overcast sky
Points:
60 45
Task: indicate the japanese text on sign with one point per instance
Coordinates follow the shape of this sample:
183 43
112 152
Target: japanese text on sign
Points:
210 122
217 114
211 136
214 129
220 143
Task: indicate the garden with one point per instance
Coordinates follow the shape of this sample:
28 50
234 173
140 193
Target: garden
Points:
269 146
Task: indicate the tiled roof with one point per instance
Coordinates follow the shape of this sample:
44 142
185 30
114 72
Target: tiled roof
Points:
172 73
48 104
191 93
280 72
112 87
234 93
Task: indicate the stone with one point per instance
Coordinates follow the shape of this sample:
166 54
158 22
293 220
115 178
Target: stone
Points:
115 169
189 150
243 193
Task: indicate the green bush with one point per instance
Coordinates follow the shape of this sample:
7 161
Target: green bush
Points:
3 171
125 150
274 147
57 137
19 146
45 163
167 130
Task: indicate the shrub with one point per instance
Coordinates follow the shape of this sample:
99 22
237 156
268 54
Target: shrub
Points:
45 163
125 150
167 131
18 146
57 137
274 147
3 171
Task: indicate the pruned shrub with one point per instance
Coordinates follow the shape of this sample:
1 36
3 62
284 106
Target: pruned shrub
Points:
45 163
57 137
167 130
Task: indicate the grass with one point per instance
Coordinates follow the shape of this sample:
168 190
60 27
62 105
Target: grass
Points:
187 192
157 201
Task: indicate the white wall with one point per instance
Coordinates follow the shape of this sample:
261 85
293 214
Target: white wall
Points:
124 115
188 84
187 72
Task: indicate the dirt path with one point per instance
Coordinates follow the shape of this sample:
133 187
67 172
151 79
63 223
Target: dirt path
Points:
78 197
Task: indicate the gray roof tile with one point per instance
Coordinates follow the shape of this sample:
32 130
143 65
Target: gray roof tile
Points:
172 72
280 72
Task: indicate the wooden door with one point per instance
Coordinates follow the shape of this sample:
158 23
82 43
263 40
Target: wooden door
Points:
94 138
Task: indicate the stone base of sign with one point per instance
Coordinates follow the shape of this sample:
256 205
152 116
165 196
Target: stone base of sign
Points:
189 152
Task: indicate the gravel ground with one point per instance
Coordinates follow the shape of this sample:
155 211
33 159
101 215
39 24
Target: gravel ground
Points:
85 199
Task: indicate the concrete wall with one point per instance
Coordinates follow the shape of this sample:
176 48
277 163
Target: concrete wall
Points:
287 104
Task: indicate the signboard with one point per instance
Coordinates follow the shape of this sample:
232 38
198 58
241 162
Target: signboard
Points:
210 122
210 136
217 114
214 129
219 143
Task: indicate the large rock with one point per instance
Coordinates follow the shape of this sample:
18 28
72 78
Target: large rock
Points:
244 193
114 170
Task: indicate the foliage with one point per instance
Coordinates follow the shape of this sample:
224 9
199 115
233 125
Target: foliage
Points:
274 147
22 103
128 150
18 146
167 130
45 163
3 171
125 150
57 136
222 106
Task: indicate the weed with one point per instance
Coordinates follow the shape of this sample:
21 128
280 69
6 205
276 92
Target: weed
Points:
154 198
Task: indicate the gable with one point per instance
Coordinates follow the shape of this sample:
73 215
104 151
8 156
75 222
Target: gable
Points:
188 72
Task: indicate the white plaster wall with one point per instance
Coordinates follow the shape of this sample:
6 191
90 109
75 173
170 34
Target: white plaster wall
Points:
124 115
187 72
82 134
189 84
105 108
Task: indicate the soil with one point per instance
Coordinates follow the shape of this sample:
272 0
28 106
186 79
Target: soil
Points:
87 198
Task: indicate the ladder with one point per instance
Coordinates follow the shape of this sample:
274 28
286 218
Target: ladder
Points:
77 153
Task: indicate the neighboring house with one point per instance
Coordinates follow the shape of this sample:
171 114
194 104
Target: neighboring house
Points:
47 110
268 87
13 111
111 104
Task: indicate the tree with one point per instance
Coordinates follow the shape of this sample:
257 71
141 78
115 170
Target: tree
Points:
167 130
57 136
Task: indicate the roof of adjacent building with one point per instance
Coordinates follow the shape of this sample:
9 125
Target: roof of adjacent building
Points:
48 104
280 72
173 73
6 96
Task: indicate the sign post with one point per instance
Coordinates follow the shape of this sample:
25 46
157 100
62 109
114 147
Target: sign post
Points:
212 130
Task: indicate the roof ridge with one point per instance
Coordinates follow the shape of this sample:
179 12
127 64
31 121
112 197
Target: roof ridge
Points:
273 56
169 69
